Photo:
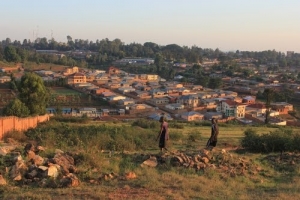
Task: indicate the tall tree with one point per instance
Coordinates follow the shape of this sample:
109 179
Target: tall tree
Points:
159 61
269 96
33 93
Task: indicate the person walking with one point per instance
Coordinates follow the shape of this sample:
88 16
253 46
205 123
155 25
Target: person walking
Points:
212 141
163 135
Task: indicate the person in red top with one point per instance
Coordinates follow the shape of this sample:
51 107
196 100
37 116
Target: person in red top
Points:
163 135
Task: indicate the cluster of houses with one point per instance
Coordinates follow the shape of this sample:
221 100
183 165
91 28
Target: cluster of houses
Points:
148 95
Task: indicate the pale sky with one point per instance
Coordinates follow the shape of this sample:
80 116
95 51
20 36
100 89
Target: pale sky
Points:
246 25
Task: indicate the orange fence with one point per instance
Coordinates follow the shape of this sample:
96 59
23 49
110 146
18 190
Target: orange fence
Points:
13 123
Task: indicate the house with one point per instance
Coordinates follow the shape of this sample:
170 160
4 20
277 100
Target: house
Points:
126 89
70 70
98 91
210 115
188 100
87 110
156 116
4 79
232 109
76 78
192 116
175 106
249 99
282 107
258 108
126 102
116 98
152 77
159 101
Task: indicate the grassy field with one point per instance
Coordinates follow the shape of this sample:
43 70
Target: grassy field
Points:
163 181
63 91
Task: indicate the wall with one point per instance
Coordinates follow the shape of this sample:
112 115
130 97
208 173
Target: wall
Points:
12 123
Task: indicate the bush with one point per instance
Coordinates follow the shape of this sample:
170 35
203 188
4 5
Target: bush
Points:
15 135
276 141
150 124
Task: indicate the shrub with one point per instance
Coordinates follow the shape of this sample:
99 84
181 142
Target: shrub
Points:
277 141
252 141
150 124
15 135
194 136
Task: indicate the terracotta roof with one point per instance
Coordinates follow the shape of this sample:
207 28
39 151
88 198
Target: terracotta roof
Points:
257 105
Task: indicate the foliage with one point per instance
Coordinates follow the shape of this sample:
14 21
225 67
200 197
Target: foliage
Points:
33 93
92 138
11 55
16 108
143 123
276 141
15 135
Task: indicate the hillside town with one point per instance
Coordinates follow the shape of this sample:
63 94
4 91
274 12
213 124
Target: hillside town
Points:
131 96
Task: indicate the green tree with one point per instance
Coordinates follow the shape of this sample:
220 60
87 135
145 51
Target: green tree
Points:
215 83
159 61
33 93
11 55
269 96
16 108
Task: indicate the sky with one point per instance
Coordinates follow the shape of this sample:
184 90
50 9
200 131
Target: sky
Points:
230 25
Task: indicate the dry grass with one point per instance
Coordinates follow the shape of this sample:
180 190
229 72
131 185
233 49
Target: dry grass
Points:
166 182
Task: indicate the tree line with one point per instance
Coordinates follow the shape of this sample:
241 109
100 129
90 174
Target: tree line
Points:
106 50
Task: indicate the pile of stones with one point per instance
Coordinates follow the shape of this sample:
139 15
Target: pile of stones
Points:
28 167
219 160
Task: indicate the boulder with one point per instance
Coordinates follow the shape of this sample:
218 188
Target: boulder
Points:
38 160
69 180
151 162
65 161
53 171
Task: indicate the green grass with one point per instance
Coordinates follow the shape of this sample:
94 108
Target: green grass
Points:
63 91
162 182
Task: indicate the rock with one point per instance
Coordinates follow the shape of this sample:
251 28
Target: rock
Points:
3 151
53 171
43 168
176 161
205 160
38 160
18 169
151 162
66 162
30 155
40 148
31 174
130 175
69 180
29 147
58 151
2 180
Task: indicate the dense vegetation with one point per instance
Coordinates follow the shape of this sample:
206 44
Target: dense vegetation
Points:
106 51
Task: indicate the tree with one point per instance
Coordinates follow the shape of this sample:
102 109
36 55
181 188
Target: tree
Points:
215 83
16 108
158 62
11 55
33 93
268 95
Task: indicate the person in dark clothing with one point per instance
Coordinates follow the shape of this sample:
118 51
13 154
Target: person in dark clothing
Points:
212 141
163 135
